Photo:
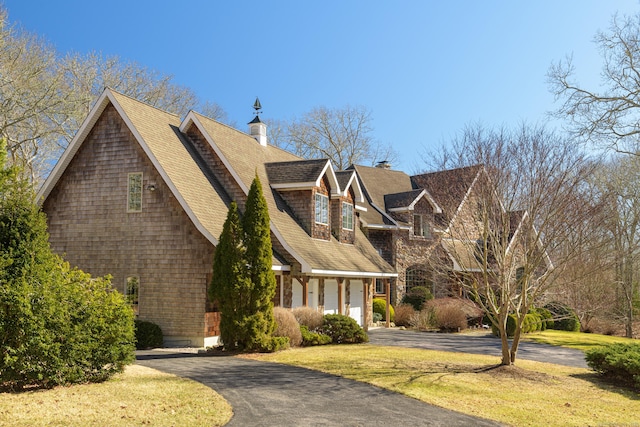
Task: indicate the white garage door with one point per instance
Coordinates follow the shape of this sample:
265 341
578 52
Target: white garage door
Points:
330 297
356 310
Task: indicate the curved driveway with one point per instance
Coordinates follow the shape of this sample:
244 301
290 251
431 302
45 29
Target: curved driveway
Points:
271 394
477 344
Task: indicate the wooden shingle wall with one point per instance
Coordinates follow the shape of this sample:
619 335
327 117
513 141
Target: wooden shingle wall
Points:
90 226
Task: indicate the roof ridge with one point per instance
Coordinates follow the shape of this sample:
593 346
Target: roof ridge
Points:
146 104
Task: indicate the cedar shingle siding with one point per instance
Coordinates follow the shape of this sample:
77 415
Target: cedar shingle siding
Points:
89 223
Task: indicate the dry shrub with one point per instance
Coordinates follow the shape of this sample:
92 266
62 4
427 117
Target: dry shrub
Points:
287 326
423 319
451 313
309 317
404 314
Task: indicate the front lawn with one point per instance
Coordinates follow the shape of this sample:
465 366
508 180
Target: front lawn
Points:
529 394
577 340
139 396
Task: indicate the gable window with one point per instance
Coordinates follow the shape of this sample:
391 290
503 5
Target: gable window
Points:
134 198
131 292
322 209
420 226
347 216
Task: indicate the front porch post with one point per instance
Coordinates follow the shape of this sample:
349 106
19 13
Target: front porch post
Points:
304 281
340 302
366 283
387 291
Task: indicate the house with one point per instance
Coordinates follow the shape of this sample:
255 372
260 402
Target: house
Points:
423 224
142 196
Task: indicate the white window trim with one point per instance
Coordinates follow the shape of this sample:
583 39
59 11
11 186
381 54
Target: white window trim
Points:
349 216
129 192
324 209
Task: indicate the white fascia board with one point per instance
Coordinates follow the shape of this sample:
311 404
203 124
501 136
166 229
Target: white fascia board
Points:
402 209
294 186
353 182
317 272
74 146
333 180
281 267
388 227
361 208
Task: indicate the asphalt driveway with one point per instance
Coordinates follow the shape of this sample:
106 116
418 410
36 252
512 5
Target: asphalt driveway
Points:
476 344
270 394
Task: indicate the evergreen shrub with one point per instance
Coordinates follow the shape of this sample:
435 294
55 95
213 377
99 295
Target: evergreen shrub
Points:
618 362
564 318
148 335
313 338
343 329
417 296
380 306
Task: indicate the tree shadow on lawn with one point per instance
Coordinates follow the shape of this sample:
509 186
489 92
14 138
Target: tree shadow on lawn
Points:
610 384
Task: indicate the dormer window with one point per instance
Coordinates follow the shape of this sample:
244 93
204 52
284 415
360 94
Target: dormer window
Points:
420 226
347 216
322 209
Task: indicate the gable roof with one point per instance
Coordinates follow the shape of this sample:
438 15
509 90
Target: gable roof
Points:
157 133
301 174
348 179
449 188
244 158
376 183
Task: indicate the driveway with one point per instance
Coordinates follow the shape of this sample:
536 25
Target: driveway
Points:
271 394
477 344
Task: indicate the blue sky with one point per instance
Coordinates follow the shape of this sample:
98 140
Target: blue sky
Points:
424 68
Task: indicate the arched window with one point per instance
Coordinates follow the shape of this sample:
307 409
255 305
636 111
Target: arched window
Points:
418 276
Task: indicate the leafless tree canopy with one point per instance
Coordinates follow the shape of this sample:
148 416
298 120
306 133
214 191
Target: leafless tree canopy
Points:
527 219
607 116
45 97
343 135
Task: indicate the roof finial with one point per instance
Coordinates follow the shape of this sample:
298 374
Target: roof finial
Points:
257 106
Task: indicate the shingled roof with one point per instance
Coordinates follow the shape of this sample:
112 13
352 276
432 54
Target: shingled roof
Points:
162 138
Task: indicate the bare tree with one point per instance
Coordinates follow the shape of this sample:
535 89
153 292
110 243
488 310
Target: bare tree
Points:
343 135
44 98
617 183
608 116
524 221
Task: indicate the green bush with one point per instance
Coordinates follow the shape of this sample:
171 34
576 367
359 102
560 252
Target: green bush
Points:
619 362
148 335
417 296
380 306
343 329
511 326
313 338
565 319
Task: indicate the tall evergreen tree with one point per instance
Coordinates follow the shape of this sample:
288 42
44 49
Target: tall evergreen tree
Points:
243 283
230 285
259 257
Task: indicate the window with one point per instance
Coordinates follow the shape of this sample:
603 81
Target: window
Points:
134 199
420 226
417 277
322 209
131 292
380 288
347 216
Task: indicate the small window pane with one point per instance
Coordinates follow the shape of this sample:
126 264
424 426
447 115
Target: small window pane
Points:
380 288
134 201
347 216
322 209
131 292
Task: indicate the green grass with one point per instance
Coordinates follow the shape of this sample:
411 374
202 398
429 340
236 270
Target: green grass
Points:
528 394
577 340
139 396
